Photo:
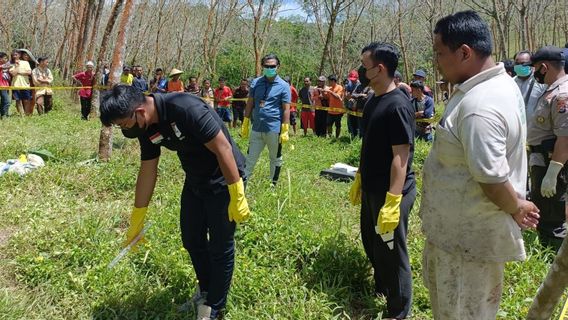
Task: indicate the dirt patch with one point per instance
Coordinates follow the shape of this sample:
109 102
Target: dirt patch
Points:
5 234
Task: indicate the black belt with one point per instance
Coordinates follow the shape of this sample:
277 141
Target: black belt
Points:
545 146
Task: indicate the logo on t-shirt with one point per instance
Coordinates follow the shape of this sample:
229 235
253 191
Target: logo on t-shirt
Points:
176 131
156 138
561 105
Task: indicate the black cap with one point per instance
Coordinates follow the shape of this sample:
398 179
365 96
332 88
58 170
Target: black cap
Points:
548 53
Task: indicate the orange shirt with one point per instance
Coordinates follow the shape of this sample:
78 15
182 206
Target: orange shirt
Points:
175 86
334 102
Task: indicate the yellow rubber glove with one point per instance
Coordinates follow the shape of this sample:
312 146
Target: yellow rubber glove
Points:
284 137
389 215
355 191
136 225
238 205
245 128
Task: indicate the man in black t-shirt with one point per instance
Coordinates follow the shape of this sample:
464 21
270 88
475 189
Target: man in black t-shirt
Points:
384 184
213 196
239 106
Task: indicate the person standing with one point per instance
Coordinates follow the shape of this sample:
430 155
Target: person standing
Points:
401 84
223 96
420 75
207 93
320 101
86 79
530 89
473 197
293 104
307 113
139 82
268 108
42 77
548 145
334 95
213 197
239 105
175 84
20 72
192 86
423 109
126 77
351 103
159 84
384 184
5 79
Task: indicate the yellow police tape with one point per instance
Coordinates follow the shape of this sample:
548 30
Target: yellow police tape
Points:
564 314
298 105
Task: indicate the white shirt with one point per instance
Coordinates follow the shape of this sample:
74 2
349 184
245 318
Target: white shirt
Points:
480 139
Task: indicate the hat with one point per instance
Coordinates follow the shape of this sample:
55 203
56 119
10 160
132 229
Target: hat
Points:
353 75
321 78
548 53
420 73
89 64
175 72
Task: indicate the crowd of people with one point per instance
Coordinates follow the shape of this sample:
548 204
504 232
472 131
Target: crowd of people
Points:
22 71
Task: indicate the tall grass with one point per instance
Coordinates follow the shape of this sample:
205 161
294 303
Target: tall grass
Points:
299 257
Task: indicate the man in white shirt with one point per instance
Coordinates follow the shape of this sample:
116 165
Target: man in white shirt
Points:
473 205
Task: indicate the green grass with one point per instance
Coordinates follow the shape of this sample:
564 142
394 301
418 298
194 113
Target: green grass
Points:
299 257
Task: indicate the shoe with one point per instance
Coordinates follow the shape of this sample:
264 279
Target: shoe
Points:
194 302
204 312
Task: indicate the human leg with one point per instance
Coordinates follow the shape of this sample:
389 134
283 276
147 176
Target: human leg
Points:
256 145
275 154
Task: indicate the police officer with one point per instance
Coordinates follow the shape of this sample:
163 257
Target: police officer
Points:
547 136
213 196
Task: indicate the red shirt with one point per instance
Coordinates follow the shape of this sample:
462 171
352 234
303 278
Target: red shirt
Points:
86 80
294 98
221 94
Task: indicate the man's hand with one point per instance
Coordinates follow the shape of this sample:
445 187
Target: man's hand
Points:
284 137
548 186
136 226
527 215
245 128
389 216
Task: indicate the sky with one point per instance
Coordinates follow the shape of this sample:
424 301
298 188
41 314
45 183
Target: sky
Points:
290 8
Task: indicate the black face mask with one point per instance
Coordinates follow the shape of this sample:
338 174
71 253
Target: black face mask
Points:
135 131
539 77
363 77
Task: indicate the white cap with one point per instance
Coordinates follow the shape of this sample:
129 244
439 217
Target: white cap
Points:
89 64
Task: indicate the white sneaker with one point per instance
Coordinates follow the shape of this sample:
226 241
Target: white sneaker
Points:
203 312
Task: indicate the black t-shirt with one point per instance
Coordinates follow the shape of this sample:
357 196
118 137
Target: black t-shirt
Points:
305 96
240 94
186 123
388 120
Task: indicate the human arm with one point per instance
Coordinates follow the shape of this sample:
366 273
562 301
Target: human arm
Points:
504 196
399 164
559 158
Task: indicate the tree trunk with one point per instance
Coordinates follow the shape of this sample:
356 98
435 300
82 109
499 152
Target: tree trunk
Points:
94 30
329 35
401 39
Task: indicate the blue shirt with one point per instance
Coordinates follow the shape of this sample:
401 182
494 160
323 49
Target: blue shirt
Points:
140 84
268 98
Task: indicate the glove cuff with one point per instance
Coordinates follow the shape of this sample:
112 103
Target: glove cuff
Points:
554 167
139 211
236 187
285 127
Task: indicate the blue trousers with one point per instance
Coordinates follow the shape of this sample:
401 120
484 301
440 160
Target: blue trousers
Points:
4 103
208 236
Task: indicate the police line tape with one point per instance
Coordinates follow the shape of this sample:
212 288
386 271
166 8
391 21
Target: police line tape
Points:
298 105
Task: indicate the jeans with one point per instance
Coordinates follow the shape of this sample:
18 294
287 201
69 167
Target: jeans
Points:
4 103
257 142
208 236
85 108
353 126
393 278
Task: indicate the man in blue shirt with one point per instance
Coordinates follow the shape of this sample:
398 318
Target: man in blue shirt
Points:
268 108
139 82
423 109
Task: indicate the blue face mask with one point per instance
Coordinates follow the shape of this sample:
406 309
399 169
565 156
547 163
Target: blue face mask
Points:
269 72
522 71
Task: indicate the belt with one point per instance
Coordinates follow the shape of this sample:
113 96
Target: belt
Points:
539 149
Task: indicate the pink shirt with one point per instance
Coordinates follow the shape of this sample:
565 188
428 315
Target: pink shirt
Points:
86 80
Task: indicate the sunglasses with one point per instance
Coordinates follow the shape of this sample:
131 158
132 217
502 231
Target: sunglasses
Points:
270 67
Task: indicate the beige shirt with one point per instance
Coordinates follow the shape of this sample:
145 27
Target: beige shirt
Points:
480 139
42 78
550 118
21 80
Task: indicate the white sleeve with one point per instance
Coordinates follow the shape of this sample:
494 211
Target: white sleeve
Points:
484 141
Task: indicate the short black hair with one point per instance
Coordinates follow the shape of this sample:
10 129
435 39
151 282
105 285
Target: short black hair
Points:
509 66
385 53
465 27
3 55
40 59
245 79
398 75
332 77
417 84
270 56
522 52
193 77
158 70
119 102
221 79
557 64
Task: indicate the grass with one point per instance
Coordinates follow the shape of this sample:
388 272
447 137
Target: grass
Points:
299 257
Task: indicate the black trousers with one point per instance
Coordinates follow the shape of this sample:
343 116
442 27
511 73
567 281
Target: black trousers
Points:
85 108
392 274
208 236
551 229
321 123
